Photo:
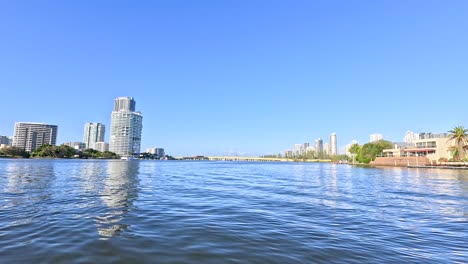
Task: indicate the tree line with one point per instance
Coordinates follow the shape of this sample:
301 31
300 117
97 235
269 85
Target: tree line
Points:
62 151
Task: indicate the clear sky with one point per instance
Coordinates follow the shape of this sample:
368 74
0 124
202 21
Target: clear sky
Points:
245 76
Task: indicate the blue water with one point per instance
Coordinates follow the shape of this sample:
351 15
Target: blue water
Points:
85 211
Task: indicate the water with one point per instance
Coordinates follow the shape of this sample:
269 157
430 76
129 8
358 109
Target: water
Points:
79 211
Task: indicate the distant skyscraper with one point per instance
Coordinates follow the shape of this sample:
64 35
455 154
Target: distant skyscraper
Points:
30 136
333 145
326 148
297 149
319 146
126 127
410 137
93 132
305 147
375 137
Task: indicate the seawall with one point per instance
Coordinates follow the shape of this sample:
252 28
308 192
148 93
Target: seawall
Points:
401 161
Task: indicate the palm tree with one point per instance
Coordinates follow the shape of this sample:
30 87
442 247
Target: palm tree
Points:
459 135
354 150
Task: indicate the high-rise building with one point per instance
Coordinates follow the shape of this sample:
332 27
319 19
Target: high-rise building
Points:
30 136
297 149
93 132
326 148
375 137
333 145
305 146
318 146
125 104
410 137
288 154
126 127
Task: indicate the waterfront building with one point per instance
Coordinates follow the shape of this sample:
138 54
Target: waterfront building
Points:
333 145
126 127
101 146
93 132
30 136
157 152
433 148
288 154
375 137
75 145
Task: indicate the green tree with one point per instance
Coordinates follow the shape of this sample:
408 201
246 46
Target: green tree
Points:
371 150
354 150
14 152
459 136
49 151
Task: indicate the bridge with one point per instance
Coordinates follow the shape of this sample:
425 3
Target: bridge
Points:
252 159
256 159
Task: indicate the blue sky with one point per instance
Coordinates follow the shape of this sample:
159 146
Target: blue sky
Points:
245 76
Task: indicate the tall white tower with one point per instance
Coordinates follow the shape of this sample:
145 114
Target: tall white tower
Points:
333 145
126 127
93 132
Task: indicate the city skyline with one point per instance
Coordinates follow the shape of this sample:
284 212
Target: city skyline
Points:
237 77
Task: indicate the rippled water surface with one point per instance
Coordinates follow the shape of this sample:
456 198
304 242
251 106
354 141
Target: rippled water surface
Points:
65 211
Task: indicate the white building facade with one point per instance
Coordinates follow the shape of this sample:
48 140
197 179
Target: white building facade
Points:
333 145
30 136
93 132
157 152
126 127
101 146
375 137
318 146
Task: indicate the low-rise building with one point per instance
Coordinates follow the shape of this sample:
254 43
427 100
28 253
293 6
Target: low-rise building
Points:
101 146
157 152
75 145
433 148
